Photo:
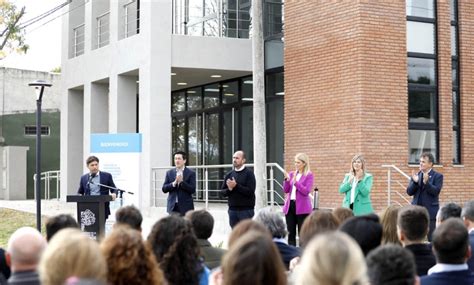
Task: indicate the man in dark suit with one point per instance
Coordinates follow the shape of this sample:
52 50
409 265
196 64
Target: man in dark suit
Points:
412 224
25 247
180 183
275 223
425 186
467 215
89 183
451 248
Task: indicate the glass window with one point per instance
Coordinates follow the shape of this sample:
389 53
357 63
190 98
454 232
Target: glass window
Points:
420 37
421 106
421 71
421 141
177 102
194 139
247 88
179 135
211 95
194 99
275 85
420 8
455 109
453 9
454 40
454 73
456 144
230 92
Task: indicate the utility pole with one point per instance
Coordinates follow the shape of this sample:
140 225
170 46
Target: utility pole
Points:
259 127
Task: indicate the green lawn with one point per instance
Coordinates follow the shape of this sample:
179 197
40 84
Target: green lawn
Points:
10 220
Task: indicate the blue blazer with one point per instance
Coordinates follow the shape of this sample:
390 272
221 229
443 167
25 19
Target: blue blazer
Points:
463 277
470 261
183 191
427 195
105 179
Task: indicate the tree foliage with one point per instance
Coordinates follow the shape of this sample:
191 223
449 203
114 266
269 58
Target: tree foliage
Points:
12 37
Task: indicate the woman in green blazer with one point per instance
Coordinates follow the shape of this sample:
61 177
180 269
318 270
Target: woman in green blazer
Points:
356 188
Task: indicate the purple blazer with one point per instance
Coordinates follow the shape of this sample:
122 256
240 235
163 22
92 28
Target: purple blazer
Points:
303 189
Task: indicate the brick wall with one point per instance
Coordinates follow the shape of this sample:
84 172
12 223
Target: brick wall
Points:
346 93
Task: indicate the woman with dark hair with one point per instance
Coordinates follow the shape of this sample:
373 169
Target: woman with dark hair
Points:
129 259
177 251
252 259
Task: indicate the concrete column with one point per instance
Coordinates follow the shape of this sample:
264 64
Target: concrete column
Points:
99 108
123 104
72 141
155 91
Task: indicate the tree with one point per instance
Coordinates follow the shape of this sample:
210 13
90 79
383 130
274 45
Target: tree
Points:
12 37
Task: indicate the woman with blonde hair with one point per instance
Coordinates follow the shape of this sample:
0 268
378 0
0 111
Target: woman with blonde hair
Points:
389 225
297 186
130 261
356 187
332 259
70 253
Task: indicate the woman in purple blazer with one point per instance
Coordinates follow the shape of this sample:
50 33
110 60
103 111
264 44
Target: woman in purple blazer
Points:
297 186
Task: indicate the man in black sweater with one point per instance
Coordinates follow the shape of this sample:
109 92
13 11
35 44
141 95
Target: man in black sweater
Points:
239 188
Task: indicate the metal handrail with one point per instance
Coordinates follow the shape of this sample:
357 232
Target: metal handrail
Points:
78 46
389 183
158 179
47 177
103 32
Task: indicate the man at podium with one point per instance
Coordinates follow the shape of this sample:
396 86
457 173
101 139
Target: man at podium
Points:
97 182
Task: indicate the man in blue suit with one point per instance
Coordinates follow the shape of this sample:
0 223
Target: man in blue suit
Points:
425 186
89 184
180 183
451 248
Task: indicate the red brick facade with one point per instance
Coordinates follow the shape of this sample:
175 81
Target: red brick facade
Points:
346 93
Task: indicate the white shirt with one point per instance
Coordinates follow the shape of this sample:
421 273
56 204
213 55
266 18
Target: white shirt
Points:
293 189
444 267
240 169
353 189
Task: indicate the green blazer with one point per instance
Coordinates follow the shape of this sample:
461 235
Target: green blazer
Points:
362 203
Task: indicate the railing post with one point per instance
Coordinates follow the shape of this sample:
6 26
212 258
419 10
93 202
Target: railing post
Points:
272 187
389 181
34 188
57 185
154 187
206 194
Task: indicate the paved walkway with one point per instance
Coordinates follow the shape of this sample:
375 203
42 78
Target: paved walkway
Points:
54 207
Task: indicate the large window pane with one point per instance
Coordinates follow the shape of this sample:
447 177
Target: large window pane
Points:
194 99
177 102
230 135
455 109
420 37
456 144
454 73
420 8
421 71
247 88
453 9
247 132
275 85
454 41
211 95
179 135
230 92
421 141
194 140
421 106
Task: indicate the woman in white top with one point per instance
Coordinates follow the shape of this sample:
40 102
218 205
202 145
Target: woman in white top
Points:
356 188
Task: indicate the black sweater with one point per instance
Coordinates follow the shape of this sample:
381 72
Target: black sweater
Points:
242 197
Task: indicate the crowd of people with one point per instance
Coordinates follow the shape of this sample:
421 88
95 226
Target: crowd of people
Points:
334 247
419 243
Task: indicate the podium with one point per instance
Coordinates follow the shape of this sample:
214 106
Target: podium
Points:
91 213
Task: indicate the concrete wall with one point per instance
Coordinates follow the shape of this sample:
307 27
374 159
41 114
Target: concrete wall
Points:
13 172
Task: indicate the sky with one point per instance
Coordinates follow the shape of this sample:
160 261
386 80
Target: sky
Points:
43 38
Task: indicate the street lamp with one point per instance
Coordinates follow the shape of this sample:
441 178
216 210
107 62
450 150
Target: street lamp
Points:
39 86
